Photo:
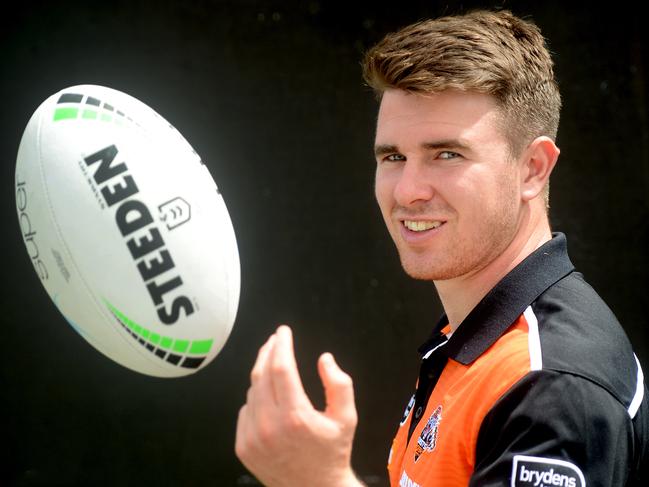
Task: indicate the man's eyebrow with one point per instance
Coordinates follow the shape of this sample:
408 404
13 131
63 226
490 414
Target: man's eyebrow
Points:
453 144
383 149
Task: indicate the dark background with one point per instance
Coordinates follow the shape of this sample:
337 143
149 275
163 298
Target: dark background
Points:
270 94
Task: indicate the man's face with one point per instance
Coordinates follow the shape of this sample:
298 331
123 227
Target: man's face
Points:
447 188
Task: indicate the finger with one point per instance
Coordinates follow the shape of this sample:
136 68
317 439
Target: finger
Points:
285 376
339 391
261 394
262 359
241 438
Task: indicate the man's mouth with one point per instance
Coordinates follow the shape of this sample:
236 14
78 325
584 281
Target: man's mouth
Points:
421 225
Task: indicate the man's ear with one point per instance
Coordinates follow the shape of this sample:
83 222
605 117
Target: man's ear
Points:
539 160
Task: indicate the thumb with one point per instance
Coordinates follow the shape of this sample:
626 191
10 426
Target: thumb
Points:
339 391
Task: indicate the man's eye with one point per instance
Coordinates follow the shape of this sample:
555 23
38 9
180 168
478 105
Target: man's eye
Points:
448 155
395 158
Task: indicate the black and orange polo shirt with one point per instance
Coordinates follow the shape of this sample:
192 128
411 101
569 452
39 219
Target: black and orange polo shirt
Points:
538 386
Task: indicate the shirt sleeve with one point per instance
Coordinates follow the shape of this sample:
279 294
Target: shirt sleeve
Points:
554 429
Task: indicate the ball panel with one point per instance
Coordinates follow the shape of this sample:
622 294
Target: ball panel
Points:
48 252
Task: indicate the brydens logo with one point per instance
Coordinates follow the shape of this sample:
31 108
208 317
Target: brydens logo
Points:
545 472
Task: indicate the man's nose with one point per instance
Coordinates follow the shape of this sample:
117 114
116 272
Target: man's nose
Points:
413 185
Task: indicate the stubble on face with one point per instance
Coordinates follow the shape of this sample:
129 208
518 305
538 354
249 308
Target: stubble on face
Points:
466 252
481 206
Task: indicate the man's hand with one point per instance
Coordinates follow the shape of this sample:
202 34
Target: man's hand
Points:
281 438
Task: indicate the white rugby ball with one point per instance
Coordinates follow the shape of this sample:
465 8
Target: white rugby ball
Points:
127 231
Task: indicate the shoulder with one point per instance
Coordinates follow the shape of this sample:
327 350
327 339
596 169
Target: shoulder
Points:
579 335
557 417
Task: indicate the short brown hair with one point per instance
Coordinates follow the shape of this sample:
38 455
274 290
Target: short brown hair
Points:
495 53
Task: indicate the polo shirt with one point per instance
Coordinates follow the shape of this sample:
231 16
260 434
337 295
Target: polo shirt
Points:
538 386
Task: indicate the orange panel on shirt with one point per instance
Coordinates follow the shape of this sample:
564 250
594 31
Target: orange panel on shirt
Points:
462 397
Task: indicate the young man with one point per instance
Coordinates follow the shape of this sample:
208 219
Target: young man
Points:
528 379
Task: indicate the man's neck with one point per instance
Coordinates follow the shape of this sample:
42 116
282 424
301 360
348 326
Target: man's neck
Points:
460 295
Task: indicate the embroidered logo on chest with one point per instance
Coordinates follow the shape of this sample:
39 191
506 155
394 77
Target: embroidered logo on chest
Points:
428 438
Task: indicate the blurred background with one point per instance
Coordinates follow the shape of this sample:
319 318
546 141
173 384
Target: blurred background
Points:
270 94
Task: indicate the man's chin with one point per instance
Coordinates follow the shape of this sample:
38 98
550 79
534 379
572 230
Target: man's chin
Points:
427 272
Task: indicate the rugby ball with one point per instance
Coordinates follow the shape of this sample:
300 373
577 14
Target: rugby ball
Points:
127 231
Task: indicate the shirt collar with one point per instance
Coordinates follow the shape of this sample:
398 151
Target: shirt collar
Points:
506 301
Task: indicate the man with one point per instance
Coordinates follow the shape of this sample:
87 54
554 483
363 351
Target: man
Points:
528 379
